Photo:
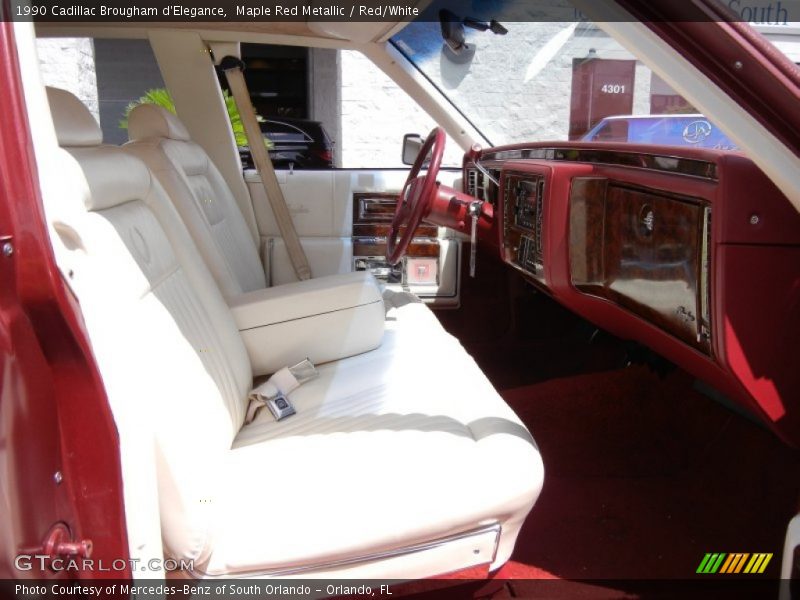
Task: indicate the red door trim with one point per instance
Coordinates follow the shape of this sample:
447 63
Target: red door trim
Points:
89 440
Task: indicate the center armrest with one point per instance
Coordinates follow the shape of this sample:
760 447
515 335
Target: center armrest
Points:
323 319
305 298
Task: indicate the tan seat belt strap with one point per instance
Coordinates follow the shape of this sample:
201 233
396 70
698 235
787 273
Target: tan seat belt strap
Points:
233 68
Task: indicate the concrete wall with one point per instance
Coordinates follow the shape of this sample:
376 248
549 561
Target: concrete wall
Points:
375 116
325 103
68 63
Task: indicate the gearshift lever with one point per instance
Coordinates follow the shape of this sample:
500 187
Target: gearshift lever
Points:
472 155
475 209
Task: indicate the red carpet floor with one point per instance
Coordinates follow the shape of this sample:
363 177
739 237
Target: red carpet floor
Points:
643 476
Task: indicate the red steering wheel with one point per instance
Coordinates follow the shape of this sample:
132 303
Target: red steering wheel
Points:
417 197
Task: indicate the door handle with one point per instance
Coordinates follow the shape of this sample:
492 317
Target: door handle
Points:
58 543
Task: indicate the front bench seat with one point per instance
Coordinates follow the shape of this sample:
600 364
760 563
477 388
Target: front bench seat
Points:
395 455
209 210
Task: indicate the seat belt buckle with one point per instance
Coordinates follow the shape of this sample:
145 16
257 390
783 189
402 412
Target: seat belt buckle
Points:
274 393
280 407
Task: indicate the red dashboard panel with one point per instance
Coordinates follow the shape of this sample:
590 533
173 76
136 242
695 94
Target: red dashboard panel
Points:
693 253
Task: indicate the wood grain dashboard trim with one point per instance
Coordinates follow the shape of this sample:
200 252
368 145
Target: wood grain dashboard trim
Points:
643 250
372 219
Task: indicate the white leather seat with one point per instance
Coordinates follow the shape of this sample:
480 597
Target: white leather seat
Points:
215 222
199 192
395 455
407 443
207 206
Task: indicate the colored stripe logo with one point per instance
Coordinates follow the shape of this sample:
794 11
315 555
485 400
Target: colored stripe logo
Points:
737 562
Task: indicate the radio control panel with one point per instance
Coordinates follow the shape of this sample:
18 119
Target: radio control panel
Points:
523 197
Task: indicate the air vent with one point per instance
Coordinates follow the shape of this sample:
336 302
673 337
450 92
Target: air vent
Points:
474 187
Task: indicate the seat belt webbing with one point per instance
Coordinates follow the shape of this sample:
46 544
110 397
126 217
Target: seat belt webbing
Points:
233 72
274 393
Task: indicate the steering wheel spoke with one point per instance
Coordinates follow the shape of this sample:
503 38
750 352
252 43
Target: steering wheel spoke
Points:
416 198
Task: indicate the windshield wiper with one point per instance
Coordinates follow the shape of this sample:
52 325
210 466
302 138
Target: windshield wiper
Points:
453 29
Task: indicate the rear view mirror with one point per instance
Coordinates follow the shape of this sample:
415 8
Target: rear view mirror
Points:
412 144
455 47
452 30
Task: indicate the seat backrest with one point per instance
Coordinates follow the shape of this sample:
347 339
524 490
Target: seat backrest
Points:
201 195
163 336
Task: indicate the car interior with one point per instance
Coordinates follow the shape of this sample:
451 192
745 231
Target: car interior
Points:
563 360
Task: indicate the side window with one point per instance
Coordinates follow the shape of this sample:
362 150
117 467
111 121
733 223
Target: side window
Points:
126 71
290 88
324 108
376 114
106 74
612 131
319 108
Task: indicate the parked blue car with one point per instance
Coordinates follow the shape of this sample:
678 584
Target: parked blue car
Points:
670 130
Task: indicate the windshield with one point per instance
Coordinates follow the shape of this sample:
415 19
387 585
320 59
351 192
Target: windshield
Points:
672 130
551 81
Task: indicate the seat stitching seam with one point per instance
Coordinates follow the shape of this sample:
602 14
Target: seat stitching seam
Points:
319 314
160 280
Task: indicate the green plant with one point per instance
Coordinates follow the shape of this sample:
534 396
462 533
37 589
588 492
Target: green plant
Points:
161 97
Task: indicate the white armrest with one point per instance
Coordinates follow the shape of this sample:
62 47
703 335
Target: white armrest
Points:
323 319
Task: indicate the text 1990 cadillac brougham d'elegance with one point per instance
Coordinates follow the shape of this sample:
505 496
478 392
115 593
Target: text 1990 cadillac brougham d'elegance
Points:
527 360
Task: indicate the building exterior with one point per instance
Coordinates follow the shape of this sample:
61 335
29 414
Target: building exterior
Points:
564 78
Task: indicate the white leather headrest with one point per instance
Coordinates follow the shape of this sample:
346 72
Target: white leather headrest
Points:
152 121
114 177
75 125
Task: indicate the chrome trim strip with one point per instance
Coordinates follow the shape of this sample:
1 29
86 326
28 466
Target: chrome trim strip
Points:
486 173
495 528
381 240
365 214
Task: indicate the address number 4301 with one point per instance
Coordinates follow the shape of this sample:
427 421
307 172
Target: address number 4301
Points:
613 88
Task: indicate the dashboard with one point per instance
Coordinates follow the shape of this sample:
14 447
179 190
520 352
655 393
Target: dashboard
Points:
693 253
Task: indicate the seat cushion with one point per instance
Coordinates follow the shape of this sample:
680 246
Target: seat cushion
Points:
403 444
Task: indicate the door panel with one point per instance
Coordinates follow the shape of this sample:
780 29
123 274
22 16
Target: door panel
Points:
326 256
310 196
322 208
59 449
31 499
